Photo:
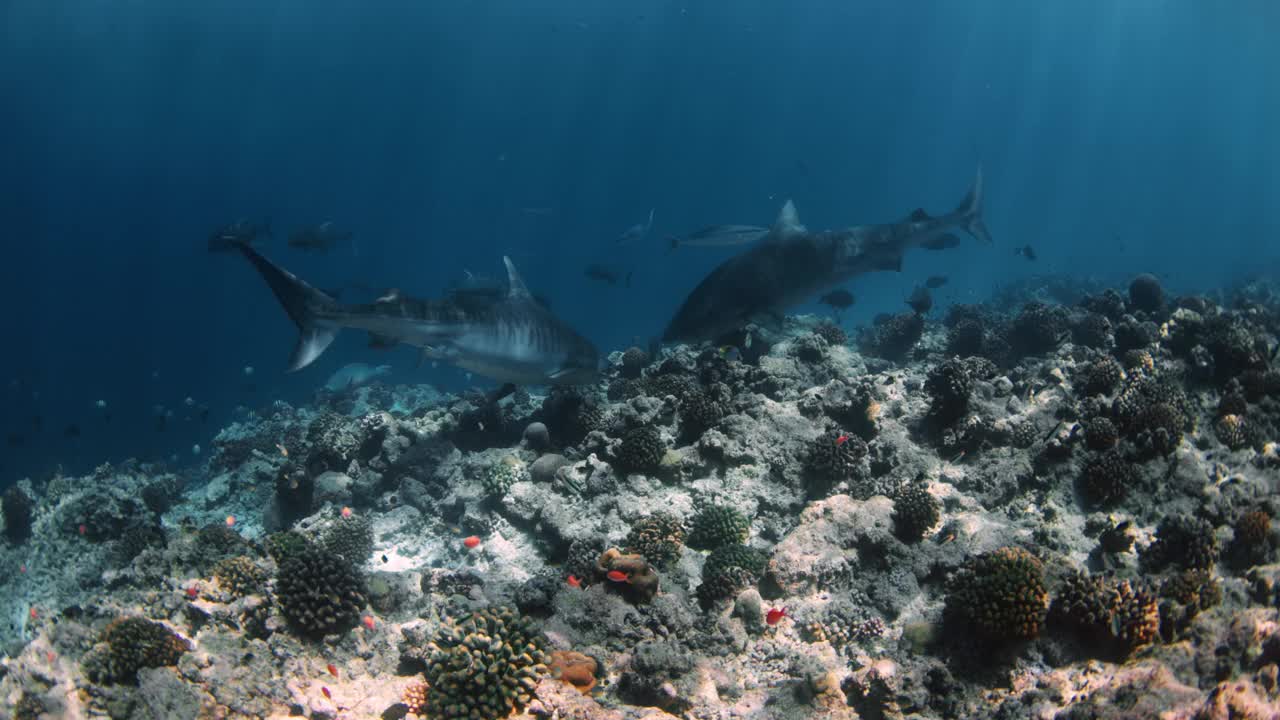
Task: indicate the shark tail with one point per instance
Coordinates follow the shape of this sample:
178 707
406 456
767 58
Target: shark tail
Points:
302 303
970 211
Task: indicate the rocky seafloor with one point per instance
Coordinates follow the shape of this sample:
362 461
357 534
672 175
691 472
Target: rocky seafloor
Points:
1053 507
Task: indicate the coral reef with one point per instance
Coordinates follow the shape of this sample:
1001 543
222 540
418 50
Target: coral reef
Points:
894 529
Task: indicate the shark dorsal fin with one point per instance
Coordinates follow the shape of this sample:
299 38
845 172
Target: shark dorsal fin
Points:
517 290
788 222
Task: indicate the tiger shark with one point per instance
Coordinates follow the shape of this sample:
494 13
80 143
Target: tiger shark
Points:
791 265
511 338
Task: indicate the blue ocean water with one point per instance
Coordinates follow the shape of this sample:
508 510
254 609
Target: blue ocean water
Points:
1116 138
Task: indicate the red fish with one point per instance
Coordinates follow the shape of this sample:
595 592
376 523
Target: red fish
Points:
327 694
774 616
618 576
346 512
471 542
574 582
22 569
332 670
368 621
842 440
34 614
50 655
193 592
83 528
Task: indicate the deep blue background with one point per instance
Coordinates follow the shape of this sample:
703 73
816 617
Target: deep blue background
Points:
1116 137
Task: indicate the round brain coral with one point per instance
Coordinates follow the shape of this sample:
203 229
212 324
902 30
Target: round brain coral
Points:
1039 328
966 337
1146 294
500 476
1001 595
641 450
715 526
832 333
1100 433
484 667
729 570
633 362
700 411
834 457
949 386
239 576
915 510
1184 542
1100 377
1106 478
319 592
132 643
1084 601
658 537
351 537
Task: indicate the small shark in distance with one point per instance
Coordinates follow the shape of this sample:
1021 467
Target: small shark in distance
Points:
227 237
511 338
792 264
319 238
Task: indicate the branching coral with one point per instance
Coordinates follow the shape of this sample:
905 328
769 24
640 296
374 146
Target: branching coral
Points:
131 644
319 592
658 537
484 667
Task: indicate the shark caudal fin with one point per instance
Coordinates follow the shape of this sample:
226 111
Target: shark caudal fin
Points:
970 211
301 302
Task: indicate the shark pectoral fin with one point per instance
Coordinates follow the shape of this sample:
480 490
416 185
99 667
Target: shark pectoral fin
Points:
312 341
559 374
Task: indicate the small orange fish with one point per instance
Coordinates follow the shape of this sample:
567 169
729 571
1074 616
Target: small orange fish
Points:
471 542
284 451
775 615
369 622
193 592
83 528
332 669
22 569
231 521
346 512
574 582
34 614
618 576
50 655
328 695
842 440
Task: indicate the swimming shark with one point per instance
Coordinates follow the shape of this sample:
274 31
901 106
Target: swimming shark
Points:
510 338
791 265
